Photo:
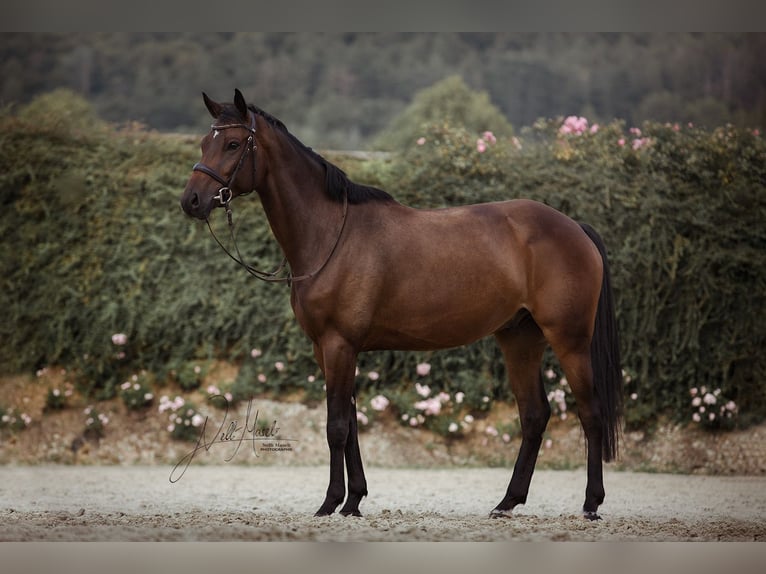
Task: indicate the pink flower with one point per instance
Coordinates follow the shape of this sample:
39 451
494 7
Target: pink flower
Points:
548 443
362 418
635 131
594 128
423 369
373 375
481 145
261 378
489 137
413 422
119 338
279 366
574 125
432 406
696 418
621 142
420 141
379 403
422 390
255 353
756 132
491 431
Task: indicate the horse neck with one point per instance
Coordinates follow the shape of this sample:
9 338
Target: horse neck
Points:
304 220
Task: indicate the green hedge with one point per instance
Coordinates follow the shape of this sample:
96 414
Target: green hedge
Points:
94 244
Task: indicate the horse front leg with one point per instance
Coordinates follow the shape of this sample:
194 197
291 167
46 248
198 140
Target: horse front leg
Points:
338 360
357 483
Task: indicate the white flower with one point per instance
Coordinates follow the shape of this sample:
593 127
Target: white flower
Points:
197 420
148 396
255 353
459 396
468 418
422 390
696 417
379 403
452 427
279 366
362 418
373 375
423 369
709 399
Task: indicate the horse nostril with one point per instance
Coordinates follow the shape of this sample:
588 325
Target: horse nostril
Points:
194 200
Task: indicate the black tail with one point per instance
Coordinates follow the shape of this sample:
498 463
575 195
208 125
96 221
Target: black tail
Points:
605 357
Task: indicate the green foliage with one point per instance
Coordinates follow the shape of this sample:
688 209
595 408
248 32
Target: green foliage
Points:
449 102
681 212
95 246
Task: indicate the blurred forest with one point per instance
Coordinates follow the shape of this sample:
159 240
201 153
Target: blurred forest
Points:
341 90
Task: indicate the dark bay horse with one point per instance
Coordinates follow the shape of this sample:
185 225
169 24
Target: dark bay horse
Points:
369 273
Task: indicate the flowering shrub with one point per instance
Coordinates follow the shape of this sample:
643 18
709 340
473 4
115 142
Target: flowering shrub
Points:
56 399
711 409
681 215
184 419
13 419
136 392
95 422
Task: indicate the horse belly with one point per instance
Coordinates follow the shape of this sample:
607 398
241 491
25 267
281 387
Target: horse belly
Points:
444 315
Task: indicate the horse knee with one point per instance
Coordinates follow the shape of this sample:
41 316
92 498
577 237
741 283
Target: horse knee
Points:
533 424
337 434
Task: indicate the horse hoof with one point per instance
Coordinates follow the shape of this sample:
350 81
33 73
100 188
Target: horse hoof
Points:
351 513
497 513
590 515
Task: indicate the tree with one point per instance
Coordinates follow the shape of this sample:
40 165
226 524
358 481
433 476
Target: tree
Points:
449 101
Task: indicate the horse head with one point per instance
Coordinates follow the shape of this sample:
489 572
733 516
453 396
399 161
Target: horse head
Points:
227 168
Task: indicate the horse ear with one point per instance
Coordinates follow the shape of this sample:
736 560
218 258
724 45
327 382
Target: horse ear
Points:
214 108
239 101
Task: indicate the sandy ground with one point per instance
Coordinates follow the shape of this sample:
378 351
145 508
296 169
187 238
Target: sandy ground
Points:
231 502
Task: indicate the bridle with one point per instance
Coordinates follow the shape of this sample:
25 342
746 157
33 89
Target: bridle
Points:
225 195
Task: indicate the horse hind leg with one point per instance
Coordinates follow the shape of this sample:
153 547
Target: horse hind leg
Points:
579 372
522 348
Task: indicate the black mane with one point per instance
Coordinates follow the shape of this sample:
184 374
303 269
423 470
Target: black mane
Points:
338 183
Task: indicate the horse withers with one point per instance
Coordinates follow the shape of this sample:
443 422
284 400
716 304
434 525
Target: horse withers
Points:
368 273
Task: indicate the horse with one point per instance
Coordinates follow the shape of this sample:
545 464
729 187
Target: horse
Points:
367 273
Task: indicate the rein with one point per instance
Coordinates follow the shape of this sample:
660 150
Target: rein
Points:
225 196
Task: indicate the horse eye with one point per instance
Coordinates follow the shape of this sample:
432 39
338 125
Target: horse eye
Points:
233 145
